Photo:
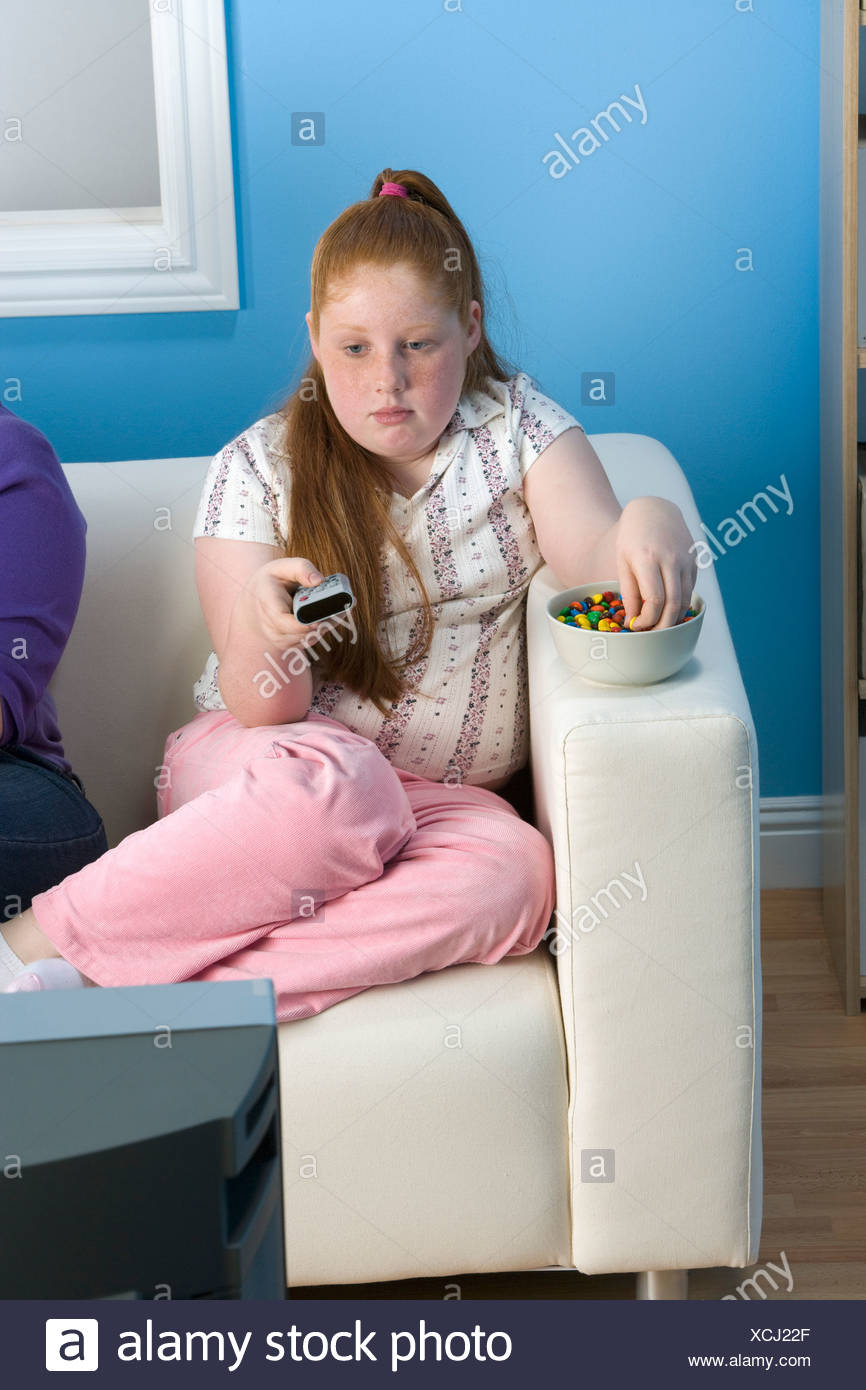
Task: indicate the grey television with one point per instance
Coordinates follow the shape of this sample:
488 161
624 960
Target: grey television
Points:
140 1143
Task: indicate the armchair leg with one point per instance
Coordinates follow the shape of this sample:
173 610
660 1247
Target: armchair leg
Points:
662 1283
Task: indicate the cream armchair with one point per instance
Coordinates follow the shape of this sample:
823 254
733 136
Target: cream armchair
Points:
594 1105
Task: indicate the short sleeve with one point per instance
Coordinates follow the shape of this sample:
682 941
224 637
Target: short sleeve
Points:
43 547
245 491
535 420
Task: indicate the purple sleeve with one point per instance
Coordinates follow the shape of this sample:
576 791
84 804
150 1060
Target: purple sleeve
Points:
42 557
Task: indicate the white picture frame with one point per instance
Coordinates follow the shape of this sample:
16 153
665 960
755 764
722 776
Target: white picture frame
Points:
181 256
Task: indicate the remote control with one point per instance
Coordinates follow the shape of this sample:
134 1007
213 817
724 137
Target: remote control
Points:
333 595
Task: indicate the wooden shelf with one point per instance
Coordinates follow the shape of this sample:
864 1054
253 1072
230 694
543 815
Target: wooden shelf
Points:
842 131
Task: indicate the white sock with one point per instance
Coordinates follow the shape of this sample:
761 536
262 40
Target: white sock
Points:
18 976
51 973
10 965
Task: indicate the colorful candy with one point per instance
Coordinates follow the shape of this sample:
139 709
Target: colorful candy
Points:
603 612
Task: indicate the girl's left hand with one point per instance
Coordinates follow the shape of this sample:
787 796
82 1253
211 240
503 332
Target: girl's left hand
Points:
656 564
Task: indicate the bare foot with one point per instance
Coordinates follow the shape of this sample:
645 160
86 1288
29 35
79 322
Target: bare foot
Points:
27 939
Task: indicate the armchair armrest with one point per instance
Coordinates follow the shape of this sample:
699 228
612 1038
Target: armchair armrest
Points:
649 798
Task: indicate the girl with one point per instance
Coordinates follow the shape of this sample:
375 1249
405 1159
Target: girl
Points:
329 818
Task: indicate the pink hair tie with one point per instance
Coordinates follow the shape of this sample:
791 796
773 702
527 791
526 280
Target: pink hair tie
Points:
396 188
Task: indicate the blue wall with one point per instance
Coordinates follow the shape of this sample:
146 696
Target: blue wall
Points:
625 264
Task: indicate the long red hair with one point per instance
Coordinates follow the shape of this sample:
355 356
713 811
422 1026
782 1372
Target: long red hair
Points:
340 497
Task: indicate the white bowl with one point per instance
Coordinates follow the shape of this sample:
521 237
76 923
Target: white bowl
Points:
622 658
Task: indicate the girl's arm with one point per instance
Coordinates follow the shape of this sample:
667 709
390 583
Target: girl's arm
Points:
572 505
222 570
253 679
584 534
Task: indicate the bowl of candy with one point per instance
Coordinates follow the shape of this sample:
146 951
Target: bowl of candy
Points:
591 637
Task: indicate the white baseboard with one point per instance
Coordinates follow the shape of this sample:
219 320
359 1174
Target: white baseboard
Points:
791 851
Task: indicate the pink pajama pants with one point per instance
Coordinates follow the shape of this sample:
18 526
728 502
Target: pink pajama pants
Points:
298 852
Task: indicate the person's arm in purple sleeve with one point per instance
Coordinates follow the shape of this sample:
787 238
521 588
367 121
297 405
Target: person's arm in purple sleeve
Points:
42 558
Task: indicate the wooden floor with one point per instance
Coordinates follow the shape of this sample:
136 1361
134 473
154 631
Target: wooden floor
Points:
814 1123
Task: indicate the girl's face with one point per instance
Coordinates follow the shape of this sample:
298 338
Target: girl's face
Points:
386 344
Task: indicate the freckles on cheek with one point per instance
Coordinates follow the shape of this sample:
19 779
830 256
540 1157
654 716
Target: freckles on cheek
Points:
342 387
351 395
432 379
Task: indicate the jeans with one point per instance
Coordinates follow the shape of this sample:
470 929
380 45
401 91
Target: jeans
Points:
48 828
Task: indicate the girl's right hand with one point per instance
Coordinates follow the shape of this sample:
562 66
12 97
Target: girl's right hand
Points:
267 599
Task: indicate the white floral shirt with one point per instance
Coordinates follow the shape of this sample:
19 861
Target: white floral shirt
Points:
465 716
